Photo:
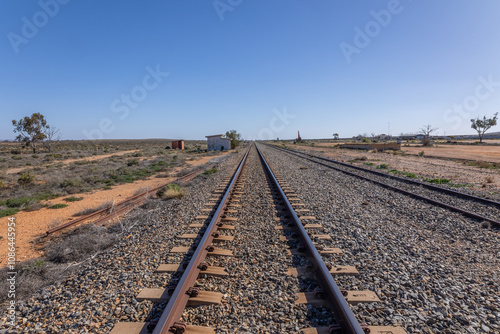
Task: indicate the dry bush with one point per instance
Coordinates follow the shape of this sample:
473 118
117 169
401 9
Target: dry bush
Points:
489 179
32 275
81 243
170 191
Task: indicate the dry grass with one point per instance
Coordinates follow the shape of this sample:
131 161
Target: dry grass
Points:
170 191
79 244
489 179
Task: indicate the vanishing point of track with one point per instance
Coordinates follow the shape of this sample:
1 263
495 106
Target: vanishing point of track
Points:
298 230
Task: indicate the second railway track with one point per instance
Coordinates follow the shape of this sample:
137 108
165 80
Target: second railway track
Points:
478 208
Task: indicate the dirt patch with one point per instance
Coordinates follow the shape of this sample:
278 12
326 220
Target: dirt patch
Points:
32 225
466 152
200 161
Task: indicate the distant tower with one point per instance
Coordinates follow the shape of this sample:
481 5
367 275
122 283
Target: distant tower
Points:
298 136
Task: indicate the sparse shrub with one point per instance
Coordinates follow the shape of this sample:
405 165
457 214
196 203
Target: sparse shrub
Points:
66 183
83 241
437 181
31 276
382 166
2 184
26 178
8 212
16 157
365 140
426 142
363 158
72 199
170 191
35 156
484 164
489 179
58 206
132 162
421 154
210 171
368 163
15 151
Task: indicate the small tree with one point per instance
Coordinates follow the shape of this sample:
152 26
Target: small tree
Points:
483 125
335 136
31 130
235 138
426 130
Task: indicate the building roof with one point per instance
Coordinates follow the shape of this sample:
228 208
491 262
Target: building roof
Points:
222 136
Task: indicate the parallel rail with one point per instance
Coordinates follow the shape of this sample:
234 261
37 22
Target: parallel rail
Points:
467 213
179 298
333 296
104 215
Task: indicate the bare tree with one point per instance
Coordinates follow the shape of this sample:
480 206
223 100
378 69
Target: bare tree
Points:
483 125
52 135
426 130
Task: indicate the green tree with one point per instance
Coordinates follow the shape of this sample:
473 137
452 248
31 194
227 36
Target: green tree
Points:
31 130
235 137
483 125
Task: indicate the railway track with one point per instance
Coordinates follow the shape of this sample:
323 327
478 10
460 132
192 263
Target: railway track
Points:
119 209
288 243
478 208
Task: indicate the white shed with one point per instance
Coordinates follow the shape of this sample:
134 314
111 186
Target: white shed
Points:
218 143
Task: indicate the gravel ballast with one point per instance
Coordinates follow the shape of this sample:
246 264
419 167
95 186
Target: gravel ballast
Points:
435 271
102 292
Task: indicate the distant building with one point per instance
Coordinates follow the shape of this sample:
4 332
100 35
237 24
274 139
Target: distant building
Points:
218 143
178 144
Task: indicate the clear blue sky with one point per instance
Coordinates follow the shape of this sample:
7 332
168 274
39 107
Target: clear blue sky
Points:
335 66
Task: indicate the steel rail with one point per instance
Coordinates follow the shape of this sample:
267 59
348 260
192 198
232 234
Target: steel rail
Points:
179 298
337 302
406 192
128 203
399 178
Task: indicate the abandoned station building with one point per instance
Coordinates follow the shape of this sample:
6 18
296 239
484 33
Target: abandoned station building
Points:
218 143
